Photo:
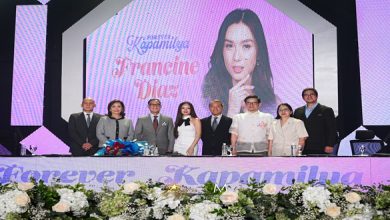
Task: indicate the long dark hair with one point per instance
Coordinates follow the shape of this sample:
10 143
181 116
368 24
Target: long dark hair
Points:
288 106
109 114
179 116
217 82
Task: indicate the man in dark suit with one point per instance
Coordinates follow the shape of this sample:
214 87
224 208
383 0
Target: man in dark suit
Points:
82 130
215 129
320 123
156 128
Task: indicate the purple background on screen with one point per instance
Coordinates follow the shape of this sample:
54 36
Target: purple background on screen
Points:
374 45
198 22
45 143
29 65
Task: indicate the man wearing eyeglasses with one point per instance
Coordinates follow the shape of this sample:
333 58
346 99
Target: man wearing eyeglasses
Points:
320 123
156 129
249 130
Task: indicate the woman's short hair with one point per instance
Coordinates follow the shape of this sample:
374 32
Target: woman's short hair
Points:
283 104
112 103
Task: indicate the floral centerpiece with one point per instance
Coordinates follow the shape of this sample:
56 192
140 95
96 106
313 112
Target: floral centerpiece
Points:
36 200
155 200
121 147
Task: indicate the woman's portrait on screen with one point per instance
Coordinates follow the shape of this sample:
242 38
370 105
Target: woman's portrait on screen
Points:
239 64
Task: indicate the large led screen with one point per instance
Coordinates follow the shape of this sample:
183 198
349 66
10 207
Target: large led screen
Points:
29 65
198 50
374 45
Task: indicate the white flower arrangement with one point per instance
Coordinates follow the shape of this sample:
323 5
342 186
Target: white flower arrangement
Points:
25 186
14 201
161 203
176 217
333 210
202 211
270 189
61 207
316 197
352 197
77 202
229 198
152 200
130 188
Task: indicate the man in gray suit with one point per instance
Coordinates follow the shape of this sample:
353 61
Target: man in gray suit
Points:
156 128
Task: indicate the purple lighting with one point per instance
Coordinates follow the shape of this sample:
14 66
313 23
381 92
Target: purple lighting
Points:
29 66
373 22
43 142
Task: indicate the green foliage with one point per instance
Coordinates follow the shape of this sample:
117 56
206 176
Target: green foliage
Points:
256 200
114 204
382 201
45 194
210 189
14 216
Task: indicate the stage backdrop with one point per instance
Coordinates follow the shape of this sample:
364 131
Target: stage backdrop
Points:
373 22
162 49
195 171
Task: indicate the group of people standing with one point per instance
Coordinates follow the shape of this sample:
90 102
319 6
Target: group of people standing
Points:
252 132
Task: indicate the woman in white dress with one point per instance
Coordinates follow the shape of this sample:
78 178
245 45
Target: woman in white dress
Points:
187 130
285 131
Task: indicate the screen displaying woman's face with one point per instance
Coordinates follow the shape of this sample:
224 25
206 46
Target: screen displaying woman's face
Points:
239 51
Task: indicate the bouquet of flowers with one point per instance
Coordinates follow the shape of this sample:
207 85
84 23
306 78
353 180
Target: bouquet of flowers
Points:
331 201
138 200
121 147
254 201
155 200
34 200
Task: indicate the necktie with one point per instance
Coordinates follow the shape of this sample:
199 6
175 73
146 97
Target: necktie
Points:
155 123
88 120
215 123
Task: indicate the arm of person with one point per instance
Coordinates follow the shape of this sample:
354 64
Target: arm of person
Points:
73 131
233 130
198 134
270 147
130 133
228 134
270 140
233 140
302 133
138 129
100 134
93 141
171 136
330 124
301 141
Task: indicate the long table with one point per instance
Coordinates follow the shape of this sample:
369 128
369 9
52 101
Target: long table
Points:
94 172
